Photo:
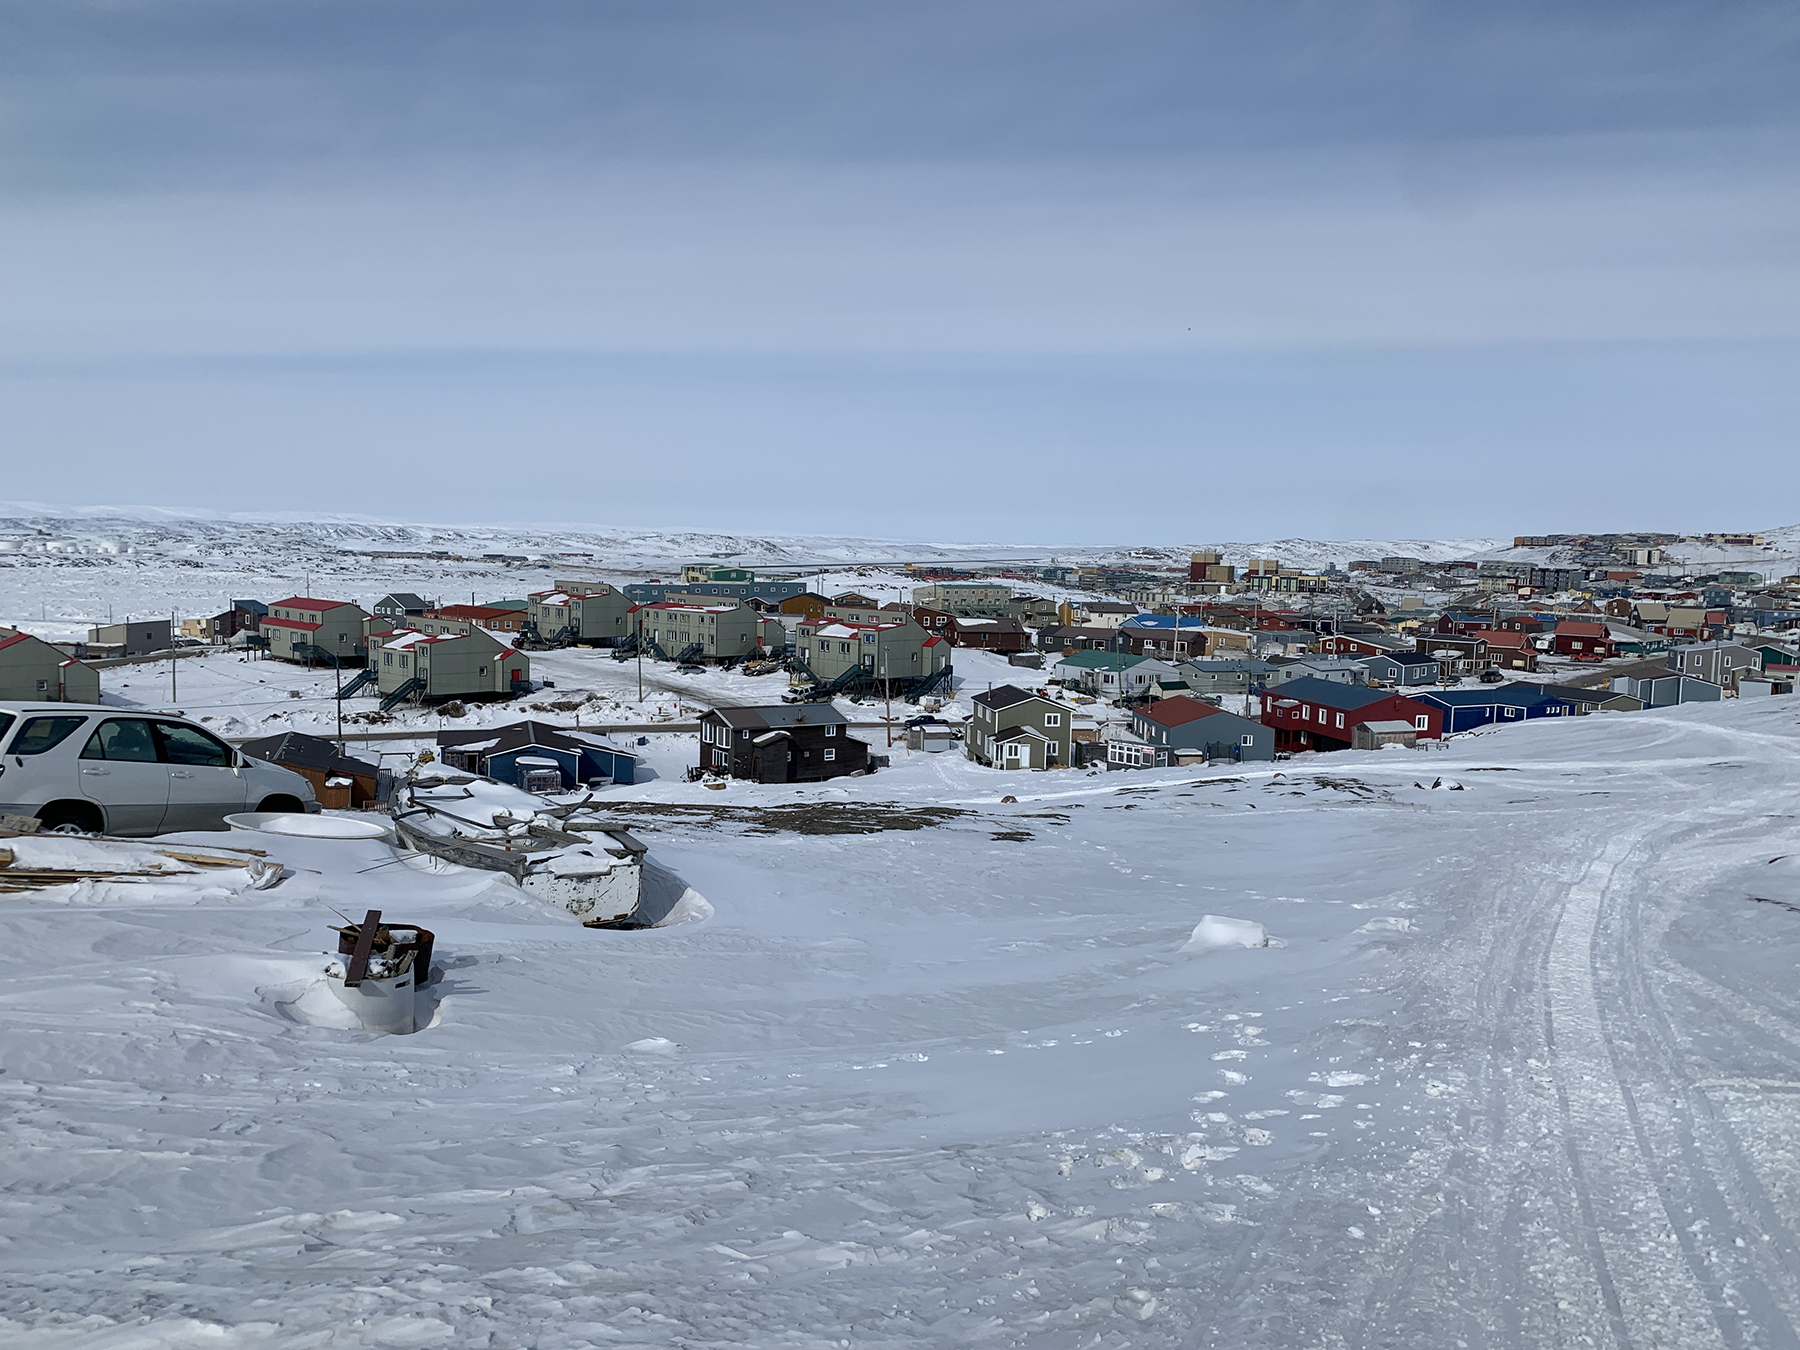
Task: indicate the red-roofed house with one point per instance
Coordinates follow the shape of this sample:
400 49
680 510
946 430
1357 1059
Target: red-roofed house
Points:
461 618
31 670
449 665
1186 723
1508 650
902 653
312 631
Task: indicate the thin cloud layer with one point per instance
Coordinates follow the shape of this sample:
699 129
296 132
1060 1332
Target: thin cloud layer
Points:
978 238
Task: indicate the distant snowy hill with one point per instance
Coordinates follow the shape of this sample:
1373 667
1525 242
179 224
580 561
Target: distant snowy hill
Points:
64 567
35 526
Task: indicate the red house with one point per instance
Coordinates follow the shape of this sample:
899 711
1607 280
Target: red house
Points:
1508 650
1338 644
1583 641
1522 623
1314 714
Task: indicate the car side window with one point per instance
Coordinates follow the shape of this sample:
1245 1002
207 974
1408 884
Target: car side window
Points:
43 733
122 738
190 745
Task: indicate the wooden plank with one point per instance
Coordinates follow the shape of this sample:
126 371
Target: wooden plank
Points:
359 956
463 852
202 859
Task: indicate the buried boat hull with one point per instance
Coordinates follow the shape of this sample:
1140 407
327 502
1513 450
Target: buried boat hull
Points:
595 889
594 897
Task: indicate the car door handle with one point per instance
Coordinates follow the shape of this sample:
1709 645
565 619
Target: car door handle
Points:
180 773
96 772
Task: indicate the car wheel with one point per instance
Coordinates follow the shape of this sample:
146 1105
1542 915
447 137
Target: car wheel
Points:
279 803
71 818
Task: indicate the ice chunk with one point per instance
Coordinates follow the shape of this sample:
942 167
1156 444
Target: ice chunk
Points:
1215 932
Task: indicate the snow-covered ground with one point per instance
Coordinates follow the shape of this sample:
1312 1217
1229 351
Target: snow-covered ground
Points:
241 696
930 1067
912 1063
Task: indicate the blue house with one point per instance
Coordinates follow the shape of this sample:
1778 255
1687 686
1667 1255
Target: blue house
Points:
495 752
1466 709
1402 668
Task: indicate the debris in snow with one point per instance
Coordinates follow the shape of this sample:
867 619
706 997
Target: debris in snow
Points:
1387 924
1215 932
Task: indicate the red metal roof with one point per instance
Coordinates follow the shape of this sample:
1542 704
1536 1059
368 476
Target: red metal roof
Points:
1176 711
1574 628
292 623
16 637
302 602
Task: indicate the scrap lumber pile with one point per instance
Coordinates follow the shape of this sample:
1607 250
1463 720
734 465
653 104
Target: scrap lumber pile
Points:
33 862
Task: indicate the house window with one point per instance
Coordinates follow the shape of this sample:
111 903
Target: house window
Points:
831 731
1246 740
1422 723
830 753
744 735
1053 719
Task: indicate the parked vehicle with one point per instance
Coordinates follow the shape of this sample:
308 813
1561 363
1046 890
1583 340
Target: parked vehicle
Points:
106 770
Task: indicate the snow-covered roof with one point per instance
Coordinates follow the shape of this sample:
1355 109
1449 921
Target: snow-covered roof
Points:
407 638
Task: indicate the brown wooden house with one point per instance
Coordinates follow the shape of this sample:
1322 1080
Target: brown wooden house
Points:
340 782
780 743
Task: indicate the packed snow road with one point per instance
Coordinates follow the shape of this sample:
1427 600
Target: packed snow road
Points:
1521 1067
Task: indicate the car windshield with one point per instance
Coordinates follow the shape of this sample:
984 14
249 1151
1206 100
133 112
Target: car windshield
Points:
190 745
43 733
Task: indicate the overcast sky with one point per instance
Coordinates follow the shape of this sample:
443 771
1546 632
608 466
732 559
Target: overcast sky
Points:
1033 272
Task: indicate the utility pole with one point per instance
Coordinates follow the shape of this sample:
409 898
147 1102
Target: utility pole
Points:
174 698
337 665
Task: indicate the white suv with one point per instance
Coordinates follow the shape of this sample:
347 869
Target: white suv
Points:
77 766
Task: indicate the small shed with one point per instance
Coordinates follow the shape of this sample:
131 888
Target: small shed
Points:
1380 735
340 782
934 735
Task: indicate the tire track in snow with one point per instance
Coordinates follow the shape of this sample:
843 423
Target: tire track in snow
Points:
1714 1195
1646 1281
